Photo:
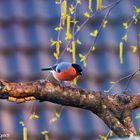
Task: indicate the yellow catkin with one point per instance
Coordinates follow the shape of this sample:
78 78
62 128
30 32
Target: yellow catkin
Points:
90 5
58 48
46 137
68 32
98 4
121 52
24 133
63 12
74 57
74 51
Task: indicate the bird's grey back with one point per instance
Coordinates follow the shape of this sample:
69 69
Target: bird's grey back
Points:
63 65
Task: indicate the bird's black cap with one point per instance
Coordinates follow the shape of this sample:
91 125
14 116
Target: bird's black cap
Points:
78 69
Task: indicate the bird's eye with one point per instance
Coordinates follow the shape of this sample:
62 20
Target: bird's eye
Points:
58 70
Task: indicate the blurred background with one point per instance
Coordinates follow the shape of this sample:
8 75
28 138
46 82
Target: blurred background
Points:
26 28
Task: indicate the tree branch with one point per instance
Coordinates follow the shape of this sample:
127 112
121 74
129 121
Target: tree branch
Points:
114 110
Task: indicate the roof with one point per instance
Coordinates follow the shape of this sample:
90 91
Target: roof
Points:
26 27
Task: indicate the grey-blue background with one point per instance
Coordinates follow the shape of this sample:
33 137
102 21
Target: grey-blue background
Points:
26 27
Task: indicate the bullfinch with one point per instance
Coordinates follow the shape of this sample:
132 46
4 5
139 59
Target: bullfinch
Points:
64 71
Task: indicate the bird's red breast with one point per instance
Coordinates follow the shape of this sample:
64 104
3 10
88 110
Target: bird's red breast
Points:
66 74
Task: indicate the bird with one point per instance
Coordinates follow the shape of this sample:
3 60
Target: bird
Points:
65 71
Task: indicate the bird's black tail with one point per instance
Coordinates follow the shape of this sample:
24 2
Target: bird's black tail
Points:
44 69
49 68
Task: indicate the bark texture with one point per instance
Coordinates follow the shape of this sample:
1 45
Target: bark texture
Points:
114 110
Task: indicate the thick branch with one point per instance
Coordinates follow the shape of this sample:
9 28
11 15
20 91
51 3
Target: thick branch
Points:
115 110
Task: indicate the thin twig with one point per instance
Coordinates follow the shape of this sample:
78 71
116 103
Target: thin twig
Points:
130 78
138 41
100 28
75 9
130 23
95 13
123 78
108 134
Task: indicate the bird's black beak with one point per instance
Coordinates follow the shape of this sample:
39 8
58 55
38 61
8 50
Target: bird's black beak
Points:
79 73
